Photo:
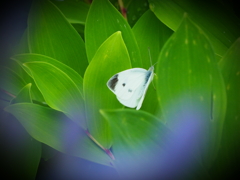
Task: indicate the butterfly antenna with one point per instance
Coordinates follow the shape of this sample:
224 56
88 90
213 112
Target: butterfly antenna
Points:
151 57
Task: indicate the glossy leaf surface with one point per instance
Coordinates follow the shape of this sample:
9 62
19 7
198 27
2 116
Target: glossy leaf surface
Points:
211 16
59 91
50 34
111 58
56 130
190 87
102 21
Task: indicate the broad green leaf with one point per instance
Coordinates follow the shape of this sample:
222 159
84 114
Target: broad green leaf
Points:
220 24
144 147
102 21
191 89
58 89
74 11
150 40
50 34
138 138
23 96
76 78
111 58
230 68
10 82
57 131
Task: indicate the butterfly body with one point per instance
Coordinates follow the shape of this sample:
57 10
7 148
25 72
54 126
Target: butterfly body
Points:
130 86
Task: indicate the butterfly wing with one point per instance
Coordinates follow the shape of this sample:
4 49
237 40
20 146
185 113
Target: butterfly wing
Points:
149 78
128 86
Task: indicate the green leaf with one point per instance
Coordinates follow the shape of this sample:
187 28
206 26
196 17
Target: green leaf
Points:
50 34
10 82
18 69
23 58
135 9
75 11
23 96
56 130
102 21
143 144
230 68
191 89
138 141
58 89
150 39
220 24
111 58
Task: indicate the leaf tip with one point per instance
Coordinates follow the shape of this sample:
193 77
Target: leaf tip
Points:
101 111
25 65
119 33
29 85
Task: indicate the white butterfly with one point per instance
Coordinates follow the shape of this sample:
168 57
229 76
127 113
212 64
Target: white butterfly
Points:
130 86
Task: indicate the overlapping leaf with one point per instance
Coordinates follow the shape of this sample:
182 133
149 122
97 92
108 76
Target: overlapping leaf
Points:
111 58
59 90
74 11
23 96
230 68
144 147
50 34
19 71
56 130
23 58
191 89
10 81
220 24
102 21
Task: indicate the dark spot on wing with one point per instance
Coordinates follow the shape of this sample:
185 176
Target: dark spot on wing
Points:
123 84
129 90
112 83
147 76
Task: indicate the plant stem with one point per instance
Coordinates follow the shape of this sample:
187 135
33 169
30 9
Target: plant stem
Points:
10 94
123 9
107 151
